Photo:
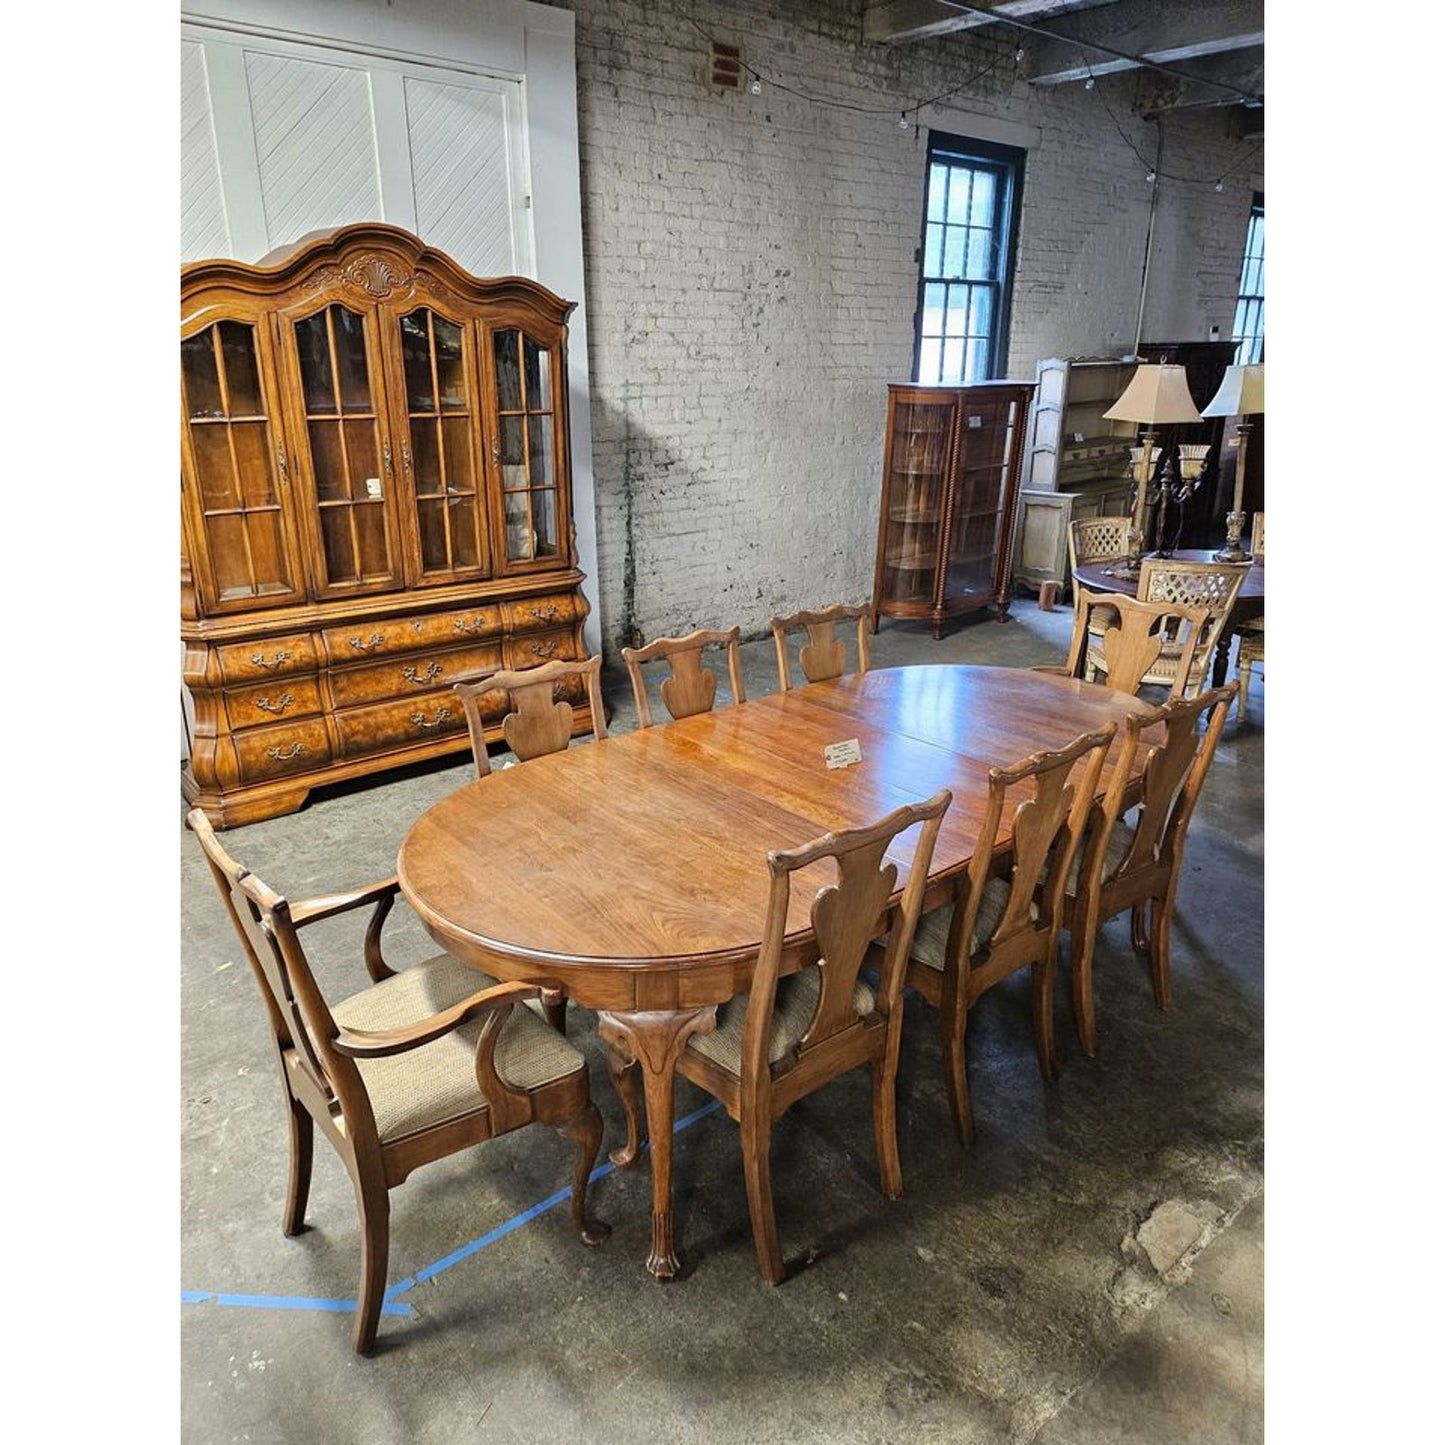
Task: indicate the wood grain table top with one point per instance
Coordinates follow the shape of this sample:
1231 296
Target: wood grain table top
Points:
632 869
1095 575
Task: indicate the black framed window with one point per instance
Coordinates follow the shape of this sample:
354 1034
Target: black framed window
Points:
1249 309
970 223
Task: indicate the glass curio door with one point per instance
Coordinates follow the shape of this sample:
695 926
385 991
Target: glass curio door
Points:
980 491
917 473
233 471
346 460
441 450
526 378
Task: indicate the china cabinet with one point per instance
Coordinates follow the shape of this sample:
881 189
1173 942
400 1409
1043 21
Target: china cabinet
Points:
951 471
375 503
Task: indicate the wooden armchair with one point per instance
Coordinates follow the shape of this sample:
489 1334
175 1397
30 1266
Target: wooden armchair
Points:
823 656
1123 639
1003 923
539 725
1134 860
1210 585
789 1036
689 687
419 1065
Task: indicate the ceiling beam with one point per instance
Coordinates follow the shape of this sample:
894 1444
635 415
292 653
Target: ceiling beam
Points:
1241 70
891 22
1142 31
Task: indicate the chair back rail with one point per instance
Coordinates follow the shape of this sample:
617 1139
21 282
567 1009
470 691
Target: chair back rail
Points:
823 656
689 688
541 722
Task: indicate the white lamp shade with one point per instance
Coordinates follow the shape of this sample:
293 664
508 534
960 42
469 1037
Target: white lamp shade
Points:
1157 395
1241 393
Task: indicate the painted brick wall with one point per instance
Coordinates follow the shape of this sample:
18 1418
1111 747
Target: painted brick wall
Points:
751 279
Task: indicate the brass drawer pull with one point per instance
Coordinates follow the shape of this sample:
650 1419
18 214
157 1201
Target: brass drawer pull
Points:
366 644
544 649
545 614
277 707
443 714
420 679
474 625
279 660
296 750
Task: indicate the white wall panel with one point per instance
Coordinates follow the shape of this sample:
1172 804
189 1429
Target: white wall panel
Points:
315 144
203 213
469 202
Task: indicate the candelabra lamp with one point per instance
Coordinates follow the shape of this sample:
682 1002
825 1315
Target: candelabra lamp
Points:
1192 456
1240 394
1155 396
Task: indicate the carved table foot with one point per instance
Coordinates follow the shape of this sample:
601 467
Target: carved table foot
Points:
653 1041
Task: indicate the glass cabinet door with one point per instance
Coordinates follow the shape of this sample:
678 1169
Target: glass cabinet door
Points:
348 451
916 467
525 378
985 431
441 455
231 458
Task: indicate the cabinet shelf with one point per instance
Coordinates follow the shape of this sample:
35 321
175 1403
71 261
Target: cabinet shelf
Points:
914 517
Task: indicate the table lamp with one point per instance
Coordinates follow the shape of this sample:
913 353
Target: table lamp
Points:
1240 394
1156 396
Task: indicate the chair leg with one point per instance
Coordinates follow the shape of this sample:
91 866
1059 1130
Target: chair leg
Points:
1083 932
1244 669
1043 980
757 1141
298 1177
1161 914
953 1016
374 1206
623 1073
885 1129
585 1132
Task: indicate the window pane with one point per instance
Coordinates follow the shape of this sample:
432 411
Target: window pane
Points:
450 378
933 302
958 193
198 373
509 379
977 366
351 366
957 311
985 193
932 253
313 351
929 355
238 351
979 265
416 360
952 370
953 251
980 321
937 185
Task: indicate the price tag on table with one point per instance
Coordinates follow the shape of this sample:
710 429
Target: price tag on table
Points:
843 755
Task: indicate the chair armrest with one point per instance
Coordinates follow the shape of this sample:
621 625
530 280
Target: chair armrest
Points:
382 895
312 910
380 1043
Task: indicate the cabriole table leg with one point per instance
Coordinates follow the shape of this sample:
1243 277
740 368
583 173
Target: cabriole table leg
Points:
654 1040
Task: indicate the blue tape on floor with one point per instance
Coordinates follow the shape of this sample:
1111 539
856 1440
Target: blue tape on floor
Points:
298 1302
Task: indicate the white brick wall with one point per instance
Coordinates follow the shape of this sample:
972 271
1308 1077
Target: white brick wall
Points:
751 281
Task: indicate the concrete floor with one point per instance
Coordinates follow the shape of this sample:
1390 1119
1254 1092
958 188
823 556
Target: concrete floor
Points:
1090 1271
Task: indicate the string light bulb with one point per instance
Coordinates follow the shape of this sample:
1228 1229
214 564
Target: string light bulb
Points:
1219 187
756 87
1151 178
1019 53
1089 83
902 120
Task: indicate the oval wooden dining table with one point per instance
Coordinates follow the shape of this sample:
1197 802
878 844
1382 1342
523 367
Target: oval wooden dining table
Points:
632 872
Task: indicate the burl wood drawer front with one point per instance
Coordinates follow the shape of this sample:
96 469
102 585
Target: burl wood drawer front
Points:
406 722
359 640
269 702
531 613
535 648
274 657
265 753
411 676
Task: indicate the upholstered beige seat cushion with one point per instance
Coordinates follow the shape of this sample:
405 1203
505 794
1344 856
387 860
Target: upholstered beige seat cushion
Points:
438 1081
793 1008
930 942
1163 670
1114 854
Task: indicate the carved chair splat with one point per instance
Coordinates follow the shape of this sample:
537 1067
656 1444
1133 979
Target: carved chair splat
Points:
689 688
823 655
539 725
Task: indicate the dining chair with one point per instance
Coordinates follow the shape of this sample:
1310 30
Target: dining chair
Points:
1095 539
418 1065
1121 639
787 1036
1250 647
823 656
539 725
689 687
1213 586
1003 922
1133 859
